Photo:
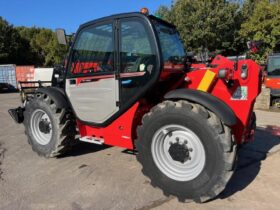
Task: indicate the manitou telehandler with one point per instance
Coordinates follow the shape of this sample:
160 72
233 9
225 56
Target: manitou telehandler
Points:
127 82
272 79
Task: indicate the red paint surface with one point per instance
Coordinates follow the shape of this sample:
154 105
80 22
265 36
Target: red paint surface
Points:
122 131
242 108
118 133
272 82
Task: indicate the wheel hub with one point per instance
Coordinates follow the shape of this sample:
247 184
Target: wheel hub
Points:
41 127
180 152
45 126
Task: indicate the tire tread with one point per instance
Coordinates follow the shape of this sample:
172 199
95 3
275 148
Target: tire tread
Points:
223 135
66 126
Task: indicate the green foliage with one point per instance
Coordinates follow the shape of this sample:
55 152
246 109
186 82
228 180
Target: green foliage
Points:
45 49
263 24
226 26
29 46
211 24
164 13
11 44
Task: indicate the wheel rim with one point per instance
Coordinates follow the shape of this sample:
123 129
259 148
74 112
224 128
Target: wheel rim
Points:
41 127
178 152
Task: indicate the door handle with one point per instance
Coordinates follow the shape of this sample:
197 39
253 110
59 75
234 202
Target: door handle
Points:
126 82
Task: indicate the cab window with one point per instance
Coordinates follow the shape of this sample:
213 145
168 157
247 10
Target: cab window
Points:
93 51
136 50
137 58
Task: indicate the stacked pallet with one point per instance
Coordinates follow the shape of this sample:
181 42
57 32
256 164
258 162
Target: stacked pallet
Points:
263 100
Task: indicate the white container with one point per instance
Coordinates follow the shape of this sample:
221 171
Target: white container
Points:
8 74
43 74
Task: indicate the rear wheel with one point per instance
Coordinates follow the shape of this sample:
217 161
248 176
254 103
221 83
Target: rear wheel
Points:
186 150
50 130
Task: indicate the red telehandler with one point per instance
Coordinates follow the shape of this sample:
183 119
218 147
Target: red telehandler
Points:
127 82
272 78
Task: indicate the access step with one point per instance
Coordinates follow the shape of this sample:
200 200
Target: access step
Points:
91 139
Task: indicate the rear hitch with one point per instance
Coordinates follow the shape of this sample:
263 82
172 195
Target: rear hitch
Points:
17 114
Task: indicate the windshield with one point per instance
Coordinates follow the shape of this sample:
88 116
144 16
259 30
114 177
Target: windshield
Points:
273 67
171 45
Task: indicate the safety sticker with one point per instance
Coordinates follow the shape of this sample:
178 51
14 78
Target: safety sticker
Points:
142 67
241 93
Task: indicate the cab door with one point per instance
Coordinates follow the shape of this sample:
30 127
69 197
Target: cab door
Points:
137 57
91 84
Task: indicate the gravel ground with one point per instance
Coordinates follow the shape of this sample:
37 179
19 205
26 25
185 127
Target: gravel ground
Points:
98 177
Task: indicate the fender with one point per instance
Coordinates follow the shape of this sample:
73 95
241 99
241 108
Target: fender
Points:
56 94
212 103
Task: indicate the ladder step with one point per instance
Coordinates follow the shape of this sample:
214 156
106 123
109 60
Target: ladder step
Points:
93 140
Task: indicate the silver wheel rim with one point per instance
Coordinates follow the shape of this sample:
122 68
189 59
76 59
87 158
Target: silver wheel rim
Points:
161 143
38 116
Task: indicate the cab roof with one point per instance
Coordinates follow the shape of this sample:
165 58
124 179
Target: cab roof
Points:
126 15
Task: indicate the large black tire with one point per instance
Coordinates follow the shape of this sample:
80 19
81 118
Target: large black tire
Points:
216 138
63 127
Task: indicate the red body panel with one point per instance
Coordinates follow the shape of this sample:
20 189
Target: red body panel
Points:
122 131
272 82
241 108
118 133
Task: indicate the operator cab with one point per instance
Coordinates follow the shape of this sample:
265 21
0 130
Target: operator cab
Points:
115 60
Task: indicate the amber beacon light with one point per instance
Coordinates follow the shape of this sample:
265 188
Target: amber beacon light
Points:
144 11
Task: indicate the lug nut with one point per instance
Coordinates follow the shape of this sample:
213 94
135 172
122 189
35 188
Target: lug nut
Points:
177 139
190 149
185 142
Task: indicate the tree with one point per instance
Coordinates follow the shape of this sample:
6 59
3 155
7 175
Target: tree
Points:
45 49
264 24
209 24
164 13
11 44
29 46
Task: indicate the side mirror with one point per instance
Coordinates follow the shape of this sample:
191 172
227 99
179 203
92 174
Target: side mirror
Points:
254 46
61 37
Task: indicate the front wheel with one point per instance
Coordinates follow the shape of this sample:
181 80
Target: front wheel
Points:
50 130
186 150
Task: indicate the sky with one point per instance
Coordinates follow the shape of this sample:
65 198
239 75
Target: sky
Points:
69 14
